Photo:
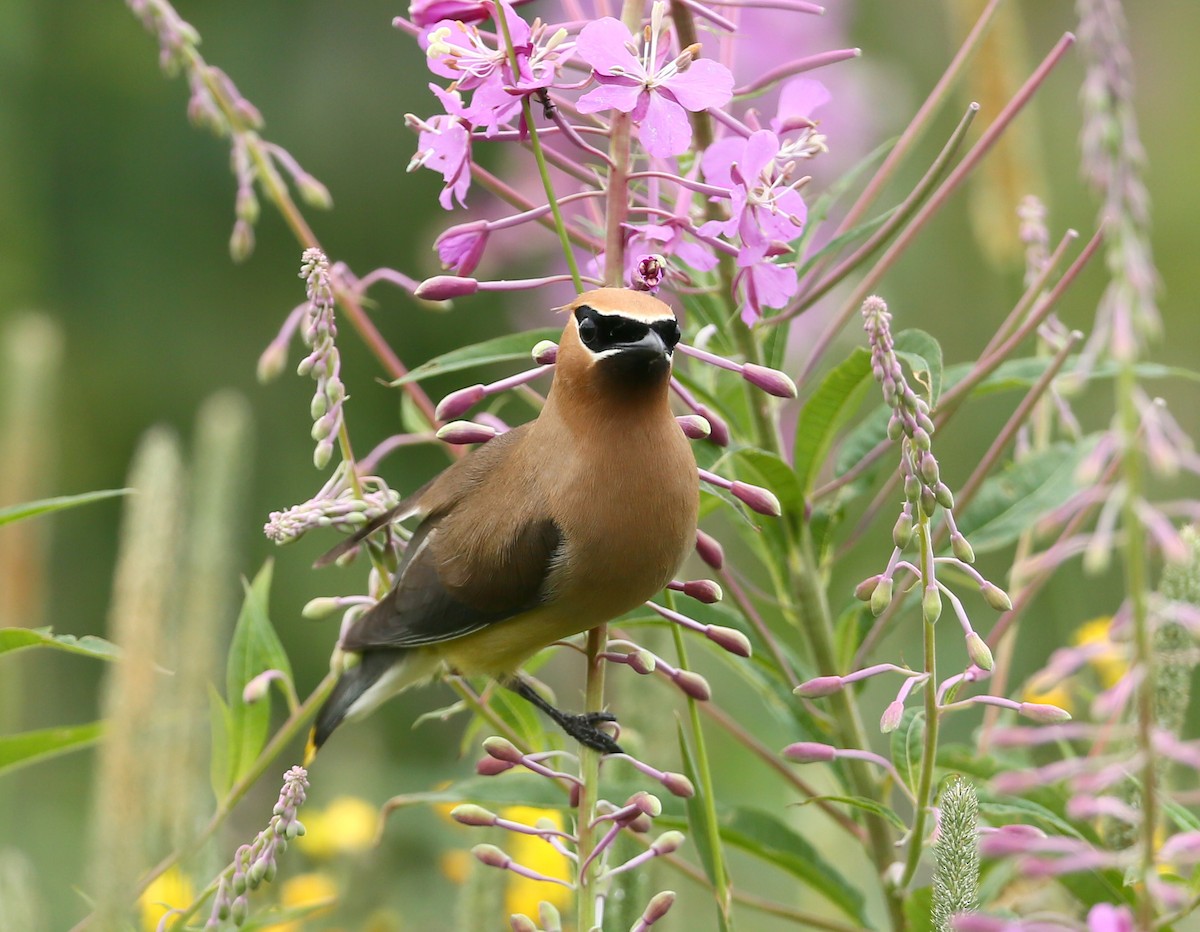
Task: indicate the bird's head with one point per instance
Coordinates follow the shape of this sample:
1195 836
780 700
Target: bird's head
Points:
619 341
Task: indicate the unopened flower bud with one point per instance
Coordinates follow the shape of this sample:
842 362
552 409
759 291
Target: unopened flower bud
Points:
902 530
944 496
931 604
316 609
271 363
641 661
239 909
668 842
719 432
519 922
895 426
658 907
1043 713
694 427
491 855
459 402
502 749
545 352
709 549
771 381
961 547
912 488
703 590
729 638
694 685
471 814
927 501
678 785
890 720
929 469
241 241
881 598
245 206
864 589
996 597
648 803
757 498
445 287
979 652
461 432
810 752
490 767
314 193
819 686
920 439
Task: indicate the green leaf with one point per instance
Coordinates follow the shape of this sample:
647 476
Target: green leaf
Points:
512 347
849 632
907 746
254 649
771 472
697 823
866 804
14 639
826 411
924 357
30 747
767 837
1004 810
1009 504
47 505
220 769
918 910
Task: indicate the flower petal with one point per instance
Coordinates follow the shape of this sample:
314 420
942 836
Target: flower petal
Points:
704 84
665 130
603 44
612 94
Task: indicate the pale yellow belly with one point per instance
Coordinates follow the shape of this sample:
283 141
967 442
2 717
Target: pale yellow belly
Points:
502 647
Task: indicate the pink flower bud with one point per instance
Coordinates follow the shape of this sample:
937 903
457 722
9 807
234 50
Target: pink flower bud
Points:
445 287
256 689
819 686
703 590
272 362
648 803
668 842
1043 713
491 856
961 547
996 597
470 814
709 550
459 402
810 752
461 247
658 906
490 767
519 922
978 651
729 638
693 684
694 427
903 529
757 498
719 431
460 432
865 589
502 749
771 381
890 720
678 785
641 661
881 598
545 353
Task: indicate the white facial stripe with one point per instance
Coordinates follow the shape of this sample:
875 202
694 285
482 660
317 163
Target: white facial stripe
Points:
604 354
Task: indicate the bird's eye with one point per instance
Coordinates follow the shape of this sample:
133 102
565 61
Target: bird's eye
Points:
588 330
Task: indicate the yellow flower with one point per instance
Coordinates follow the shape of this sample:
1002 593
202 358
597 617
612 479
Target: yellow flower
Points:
172 889
347 825
522 895
456 865
1109 661
304 890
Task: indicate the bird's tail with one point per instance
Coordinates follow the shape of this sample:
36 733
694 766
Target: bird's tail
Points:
377 676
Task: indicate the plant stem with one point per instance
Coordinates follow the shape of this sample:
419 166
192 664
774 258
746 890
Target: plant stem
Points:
708 796
589 773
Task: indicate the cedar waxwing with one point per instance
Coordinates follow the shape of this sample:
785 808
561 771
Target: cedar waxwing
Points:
543 532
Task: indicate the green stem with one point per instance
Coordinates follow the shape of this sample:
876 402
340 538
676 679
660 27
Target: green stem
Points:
589 792
708 795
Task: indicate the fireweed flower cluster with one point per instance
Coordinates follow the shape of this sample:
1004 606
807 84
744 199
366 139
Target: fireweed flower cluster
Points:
255 863
741 200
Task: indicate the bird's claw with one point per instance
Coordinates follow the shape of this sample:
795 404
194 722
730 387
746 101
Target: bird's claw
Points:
583 728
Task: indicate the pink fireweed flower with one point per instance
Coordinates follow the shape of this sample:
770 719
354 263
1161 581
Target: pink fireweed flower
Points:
765 206
427 12
459 51
443 145
637 78
461 247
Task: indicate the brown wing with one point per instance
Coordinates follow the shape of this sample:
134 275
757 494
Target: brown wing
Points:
472 561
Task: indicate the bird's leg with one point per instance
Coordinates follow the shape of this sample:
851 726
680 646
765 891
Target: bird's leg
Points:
583 728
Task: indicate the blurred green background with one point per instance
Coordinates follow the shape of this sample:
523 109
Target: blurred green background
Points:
114 219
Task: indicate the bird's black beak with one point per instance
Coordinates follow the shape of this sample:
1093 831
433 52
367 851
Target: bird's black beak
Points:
647 356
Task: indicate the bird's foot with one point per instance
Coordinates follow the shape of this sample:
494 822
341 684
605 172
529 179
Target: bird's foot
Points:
584 729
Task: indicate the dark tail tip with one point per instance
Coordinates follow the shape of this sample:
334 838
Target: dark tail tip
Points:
350 687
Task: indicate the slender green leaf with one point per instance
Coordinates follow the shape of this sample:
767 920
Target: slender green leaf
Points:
924 357
907 746
694 806
512 347
767 837
826 412
220 769
288 916
1008 505
254 649
30 747
866 804
918 910
14 639
47 505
